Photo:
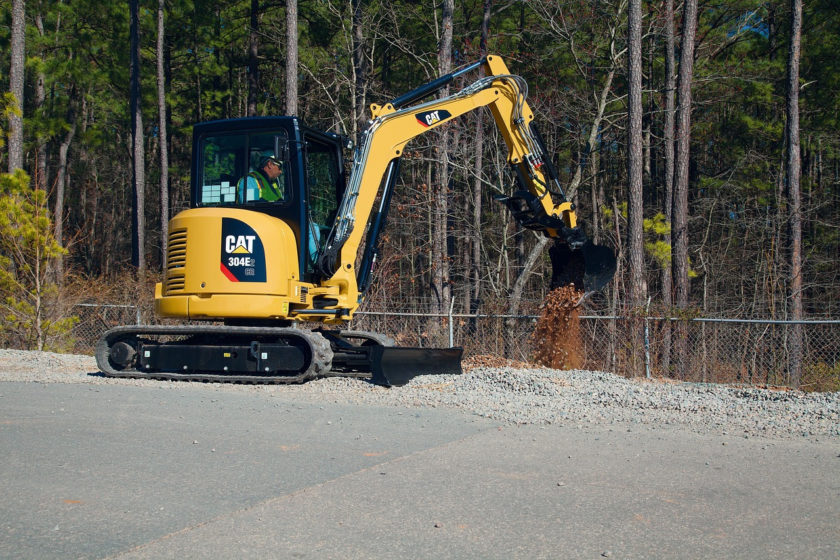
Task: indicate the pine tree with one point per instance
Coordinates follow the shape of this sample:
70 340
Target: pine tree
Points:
28 304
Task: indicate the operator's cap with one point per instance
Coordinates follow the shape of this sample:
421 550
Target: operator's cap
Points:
273 159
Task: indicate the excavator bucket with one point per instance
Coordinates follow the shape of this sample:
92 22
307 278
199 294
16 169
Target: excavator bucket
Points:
394 366
591 267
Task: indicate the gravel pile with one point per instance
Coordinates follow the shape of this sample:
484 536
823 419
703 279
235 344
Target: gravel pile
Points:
520 395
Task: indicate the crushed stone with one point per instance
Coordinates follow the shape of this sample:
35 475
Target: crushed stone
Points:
517 393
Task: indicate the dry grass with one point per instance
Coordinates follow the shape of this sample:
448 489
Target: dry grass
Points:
487 360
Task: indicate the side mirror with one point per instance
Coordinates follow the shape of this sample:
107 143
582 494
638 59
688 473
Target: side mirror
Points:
281 148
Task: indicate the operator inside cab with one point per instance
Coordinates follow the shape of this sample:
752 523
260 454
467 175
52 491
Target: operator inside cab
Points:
264 183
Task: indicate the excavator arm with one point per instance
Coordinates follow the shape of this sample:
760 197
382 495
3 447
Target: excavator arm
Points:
538 203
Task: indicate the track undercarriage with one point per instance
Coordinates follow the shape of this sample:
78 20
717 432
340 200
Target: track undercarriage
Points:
265 355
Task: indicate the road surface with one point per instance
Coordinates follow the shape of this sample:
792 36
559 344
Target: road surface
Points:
111 471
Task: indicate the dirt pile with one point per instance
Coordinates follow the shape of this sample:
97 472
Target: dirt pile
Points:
556 339
491 361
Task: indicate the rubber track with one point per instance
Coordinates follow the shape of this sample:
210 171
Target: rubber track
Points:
319 347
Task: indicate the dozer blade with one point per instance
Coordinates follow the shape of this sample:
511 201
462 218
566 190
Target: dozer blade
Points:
393 366
591 267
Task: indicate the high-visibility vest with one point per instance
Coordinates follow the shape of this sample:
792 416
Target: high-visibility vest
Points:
269 190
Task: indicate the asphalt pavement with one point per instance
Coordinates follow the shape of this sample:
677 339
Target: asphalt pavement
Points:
111 471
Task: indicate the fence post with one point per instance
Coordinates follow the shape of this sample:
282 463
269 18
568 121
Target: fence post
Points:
451 328
647 339
137 315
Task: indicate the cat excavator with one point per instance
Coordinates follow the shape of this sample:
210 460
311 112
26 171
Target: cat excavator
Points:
249 271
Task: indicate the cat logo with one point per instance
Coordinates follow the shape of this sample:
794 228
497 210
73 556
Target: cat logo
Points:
429 118
240 244
242 256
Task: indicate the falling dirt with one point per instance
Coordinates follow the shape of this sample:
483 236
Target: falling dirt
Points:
556 339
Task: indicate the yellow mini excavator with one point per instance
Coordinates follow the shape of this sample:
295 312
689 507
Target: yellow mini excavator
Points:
261 265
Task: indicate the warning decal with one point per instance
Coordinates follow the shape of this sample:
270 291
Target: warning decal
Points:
242 254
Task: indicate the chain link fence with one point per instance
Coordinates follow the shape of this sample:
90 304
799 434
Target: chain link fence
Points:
750 352
753 352
95 319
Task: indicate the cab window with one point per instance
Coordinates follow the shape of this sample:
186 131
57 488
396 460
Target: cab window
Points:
222 160
230 172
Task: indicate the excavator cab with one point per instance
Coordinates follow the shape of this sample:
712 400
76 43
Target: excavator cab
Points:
227 173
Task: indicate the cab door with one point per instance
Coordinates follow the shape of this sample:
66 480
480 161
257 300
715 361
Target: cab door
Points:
324 177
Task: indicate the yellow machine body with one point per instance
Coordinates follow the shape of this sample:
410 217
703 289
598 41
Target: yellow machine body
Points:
209 272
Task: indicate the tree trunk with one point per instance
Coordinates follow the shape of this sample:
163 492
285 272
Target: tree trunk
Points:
138 257
195 47
162 136
668 149
594 133
618 288
635 162
479 164
440 258
253 58
778 274
522 279
291 57
60 189
635 171
596 196
647 118
16 74
679 229
359 69
794 194
40 99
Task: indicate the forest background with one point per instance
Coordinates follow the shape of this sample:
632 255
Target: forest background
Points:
670 125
